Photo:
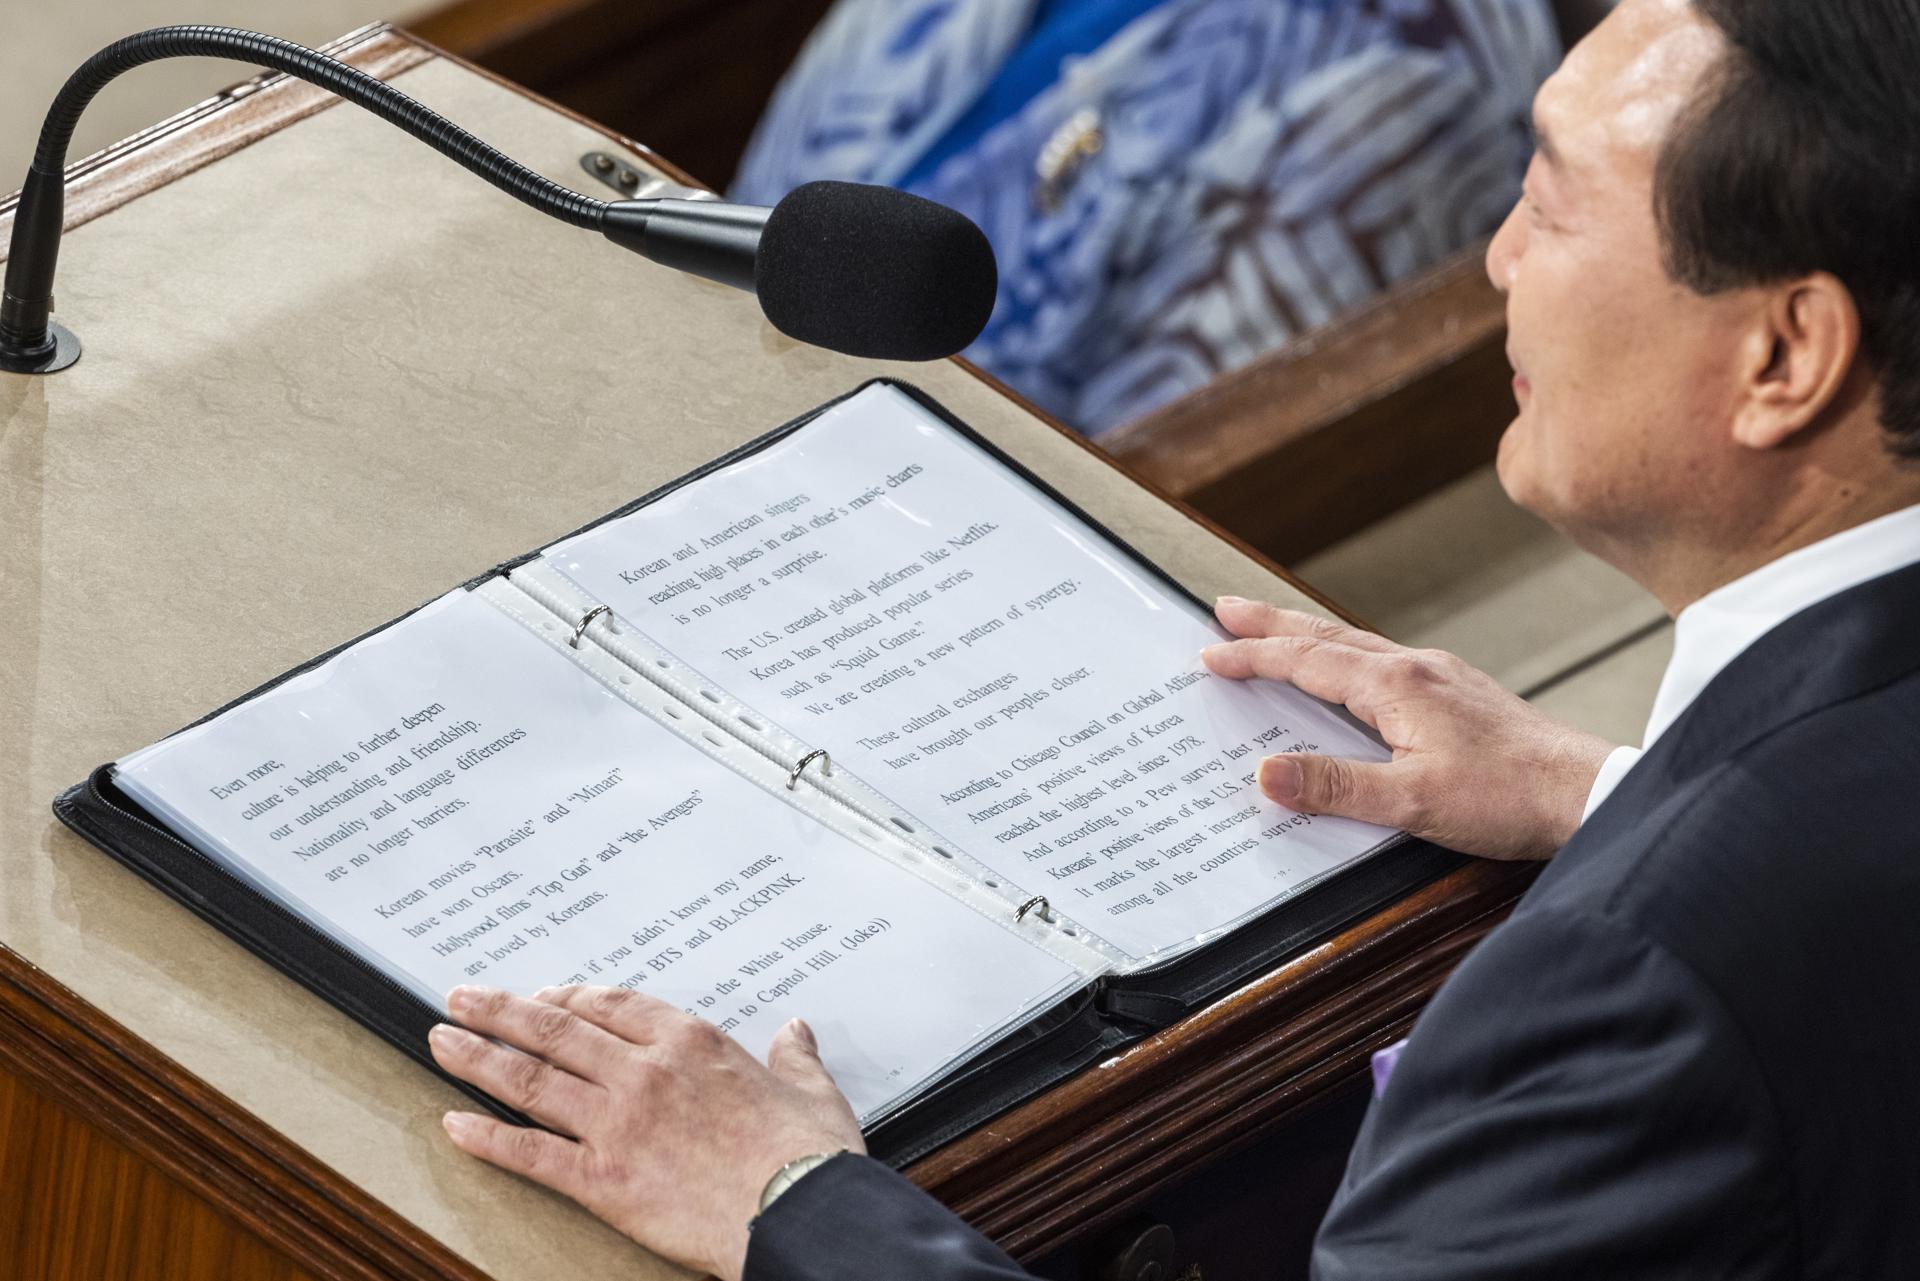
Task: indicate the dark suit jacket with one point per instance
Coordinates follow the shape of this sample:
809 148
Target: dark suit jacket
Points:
1692 1052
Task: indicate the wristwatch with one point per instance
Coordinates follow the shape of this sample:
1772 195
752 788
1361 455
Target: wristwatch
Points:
791 1173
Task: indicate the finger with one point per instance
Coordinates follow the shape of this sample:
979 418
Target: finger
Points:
1363 790
542 1091
628 1015
1254 619
1324 669
557 1035
545 1158
794 1055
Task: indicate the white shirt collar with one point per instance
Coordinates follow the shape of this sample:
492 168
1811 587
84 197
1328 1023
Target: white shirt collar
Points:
1720 626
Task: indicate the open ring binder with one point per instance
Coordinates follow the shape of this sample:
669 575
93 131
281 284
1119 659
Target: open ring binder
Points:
586 619
799 766
1028 1008
1037 905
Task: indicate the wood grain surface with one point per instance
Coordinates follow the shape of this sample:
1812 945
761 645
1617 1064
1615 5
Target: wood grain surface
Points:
77 1206
196 1138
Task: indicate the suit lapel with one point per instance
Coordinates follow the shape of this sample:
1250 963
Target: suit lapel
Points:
1846 646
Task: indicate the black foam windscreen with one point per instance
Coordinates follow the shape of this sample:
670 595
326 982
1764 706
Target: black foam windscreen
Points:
874 272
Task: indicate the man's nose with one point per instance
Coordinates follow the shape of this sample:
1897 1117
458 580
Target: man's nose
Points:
1504 250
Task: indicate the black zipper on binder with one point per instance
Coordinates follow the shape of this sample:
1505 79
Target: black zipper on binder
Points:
1149 1011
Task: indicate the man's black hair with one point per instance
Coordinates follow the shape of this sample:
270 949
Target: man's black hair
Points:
1803 155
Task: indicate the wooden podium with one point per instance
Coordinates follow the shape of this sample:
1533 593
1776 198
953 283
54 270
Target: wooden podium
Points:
327 374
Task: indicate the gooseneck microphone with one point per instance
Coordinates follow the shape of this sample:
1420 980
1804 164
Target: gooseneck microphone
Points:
868 271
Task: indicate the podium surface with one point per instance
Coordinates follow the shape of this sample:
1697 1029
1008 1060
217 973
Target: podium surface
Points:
327 376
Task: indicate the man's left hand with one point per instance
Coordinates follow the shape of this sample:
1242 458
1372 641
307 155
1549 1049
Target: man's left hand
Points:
675 1128
1474 768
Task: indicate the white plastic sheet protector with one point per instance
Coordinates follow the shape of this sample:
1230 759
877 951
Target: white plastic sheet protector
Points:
463 798
877 584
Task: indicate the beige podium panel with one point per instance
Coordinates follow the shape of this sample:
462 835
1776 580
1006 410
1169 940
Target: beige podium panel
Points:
328 375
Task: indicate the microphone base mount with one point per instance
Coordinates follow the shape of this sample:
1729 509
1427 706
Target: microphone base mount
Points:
61 349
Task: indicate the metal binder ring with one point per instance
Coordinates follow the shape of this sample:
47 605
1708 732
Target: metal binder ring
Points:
592 614
820 753
1036 904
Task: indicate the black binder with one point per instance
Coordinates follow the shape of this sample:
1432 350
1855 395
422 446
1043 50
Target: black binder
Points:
1094 1023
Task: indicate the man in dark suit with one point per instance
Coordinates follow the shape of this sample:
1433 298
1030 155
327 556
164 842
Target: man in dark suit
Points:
1693 1050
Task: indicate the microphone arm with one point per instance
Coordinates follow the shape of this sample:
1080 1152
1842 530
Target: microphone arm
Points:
31 342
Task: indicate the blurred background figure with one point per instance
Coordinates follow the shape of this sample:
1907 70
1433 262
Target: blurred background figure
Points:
1172 187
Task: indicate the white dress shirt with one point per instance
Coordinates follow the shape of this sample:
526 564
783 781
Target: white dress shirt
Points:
1718 628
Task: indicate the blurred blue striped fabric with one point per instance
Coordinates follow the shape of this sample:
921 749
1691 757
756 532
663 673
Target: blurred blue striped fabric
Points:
1212 179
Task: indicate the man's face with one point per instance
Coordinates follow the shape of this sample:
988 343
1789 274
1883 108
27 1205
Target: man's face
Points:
1624 377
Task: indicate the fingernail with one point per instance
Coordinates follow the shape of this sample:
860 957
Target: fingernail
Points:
805 1033
546 993
462 999
458 1124
1218 601
1212 651
446 1036
1280 779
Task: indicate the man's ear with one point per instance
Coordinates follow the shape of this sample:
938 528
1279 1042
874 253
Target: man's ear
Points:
1799 354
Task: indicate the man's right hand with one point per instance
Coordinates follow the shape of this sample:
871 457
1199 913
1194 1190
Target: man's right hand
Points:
1475 768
